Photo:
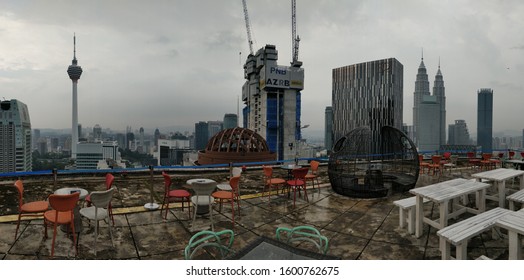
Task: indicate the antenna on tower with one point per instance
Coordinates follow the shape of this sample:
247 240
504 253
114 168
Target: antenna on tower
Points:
422 53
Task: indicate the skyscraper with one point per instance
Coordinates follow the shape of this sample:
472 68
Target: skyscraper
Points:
74 71
367 94
201 135
271 95
485 119
328 127
429 111
458 133
15 137
230 121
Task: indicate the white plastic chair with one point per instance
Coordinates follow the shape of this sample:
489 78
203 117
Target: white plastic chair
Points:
236 171
202 197
99 211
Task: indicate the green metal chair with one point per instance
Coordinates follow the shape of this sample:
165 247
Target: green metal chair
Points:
303 233
207 238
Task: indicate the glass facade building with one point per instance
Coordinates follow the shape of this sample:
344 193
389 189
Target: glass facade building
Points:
368 94
485 119
15 137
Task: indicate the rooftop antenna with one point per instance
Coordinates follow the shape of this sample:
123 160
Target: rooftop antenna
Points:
422 53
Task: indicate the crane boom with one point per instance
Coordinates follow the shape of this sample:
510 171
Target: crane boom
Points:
248 27
295 40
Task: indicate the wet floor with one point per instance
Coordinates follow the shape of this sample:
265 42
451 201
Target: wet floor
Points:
357 229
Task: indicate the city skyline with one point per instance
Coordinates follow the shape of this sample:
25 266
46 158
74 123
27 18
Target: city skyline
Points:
153 64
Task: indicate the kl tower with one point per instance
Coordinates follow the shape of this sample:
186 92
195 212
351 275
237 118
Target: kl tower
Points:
74 71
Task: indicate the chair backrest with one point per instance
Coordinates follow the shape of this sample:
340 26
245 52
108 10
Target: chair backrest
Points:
314 166
436 159
233 182
522 155
300 173
65 202
486 156
511 154
303 233
207 238
19 185
446 155
237 171
268 171
471 154
167 181
203 188
109 180
501 155
102 199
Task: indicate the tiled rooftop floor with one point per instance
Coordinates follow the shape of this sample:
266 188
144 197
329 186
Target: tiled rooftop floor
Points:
358 229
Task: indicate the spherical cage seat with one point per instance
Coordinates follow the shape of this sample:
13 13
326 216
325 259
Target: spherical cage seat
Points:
366 164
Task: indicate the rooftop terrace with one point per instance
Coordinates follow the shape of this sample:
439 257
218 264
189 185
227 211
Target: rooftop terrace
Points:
358 229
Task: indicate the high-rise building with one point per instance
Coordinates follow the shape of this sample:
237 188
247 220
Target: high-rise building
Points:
485 119
271 95
328 127
201 135
214 127
429 111
36 137
97 132
367 94
230 121
458 133
91 153
15 137
74 71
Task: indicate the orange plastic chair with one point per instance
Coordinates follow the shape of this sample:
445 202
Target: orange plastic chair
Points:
422 164
435 164
472 160
62 213
298 182
109 183
313 175
270 182
29 209
486 161
232 196
174 195
446 158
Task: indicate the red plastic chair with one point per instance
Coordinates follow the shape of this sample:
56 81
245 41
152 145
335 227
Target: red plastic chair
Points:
422 164
62 213
472 160
435 164
486 161
313 175
511 154
29 209
270 182
109 183
176 195
298 182
232 196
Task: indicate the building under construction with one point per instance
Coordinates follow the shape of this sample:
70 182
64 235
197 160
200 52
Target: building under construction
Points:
272 99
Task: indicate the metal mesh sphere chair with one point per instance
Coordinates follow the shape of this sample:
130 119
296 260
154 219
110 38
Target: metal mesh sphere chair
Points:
28 209
99 211
298 182
303 234
233 196
174 195
203 198
222 241
62 213
271 182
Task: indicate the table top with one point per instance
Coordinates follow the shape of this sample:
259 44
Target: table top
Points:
513 221
499 174
449 189
64 191
518 161
264 248
199 180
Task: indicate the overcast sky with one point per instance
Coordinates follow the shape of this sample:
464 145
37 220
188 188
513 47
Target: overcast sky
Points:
162 63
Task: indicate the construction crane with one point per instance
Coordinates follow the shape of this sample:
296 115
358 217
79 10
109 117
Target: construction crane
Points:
295 39
248 27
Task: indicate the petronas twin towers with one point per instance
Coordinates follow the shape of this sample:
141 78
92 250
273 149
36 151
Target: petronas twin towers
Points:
429 111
